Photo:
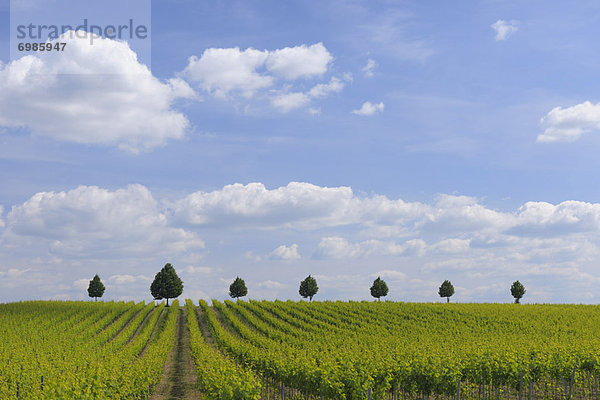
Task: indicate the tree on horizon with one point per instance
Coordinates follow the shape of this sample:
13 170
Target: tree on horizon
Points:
379 288
308 287
238 288
166 284
96 288
517 290
446 290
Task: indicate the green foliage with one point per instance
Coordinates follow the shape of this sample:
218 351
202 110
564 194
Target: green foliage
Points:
379 288
308 287
343 350
83 350
166 284
238 288
517 290
446 290
219 377
96 288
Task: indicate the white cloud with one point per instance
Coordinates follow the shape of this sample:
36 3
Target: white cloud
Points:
324 89
289 101
228 72
368 69
286 102
222 71
504 28
93 94
94 222
541 218
369 109
299 62
1 215
300 205
284 252
568 124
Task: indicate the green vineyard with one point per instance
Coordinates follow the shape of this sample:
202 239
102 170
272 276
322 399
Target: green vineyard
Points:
285 350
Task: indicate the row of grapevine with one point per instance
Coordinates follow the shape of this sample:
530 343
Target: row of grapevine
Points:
68 350
219 377
354 350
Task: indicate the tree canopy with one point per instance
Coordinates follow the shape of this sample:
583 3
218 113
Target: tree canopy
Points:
517 290
308 287
446 290
96 288
166 284
379 288
238 288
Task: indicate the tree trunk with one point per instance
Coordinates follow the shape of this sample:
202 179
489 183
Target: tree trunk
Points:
447 299
95 299
167 302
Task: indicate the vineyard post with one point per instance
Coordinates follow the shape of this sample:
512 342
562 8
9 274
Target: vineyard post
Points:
521 387
458 390
369 394
530 389
595 385
572 382
282 392
483 390
394 391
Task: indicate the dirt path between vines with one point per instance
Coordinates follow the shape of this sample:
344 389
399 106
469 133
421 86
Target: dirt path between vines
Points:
179 380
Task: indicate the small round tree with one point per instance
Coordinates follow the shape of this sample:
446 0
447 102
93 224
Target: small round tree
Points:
96 288
166 284
308 287
517 290
238 288
379 288
446 290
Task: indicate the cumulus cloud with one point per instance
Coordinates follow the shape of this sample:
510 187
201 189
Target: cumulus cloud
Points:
504 28
570 123
289 101
222 71
299 62
229 72
369 109
368 69
93 94
541 218
284 252
91 221
299 204
286 102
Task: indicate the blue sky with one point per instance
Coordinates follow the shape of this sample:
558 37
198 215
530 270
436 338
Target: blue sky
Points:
419 141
